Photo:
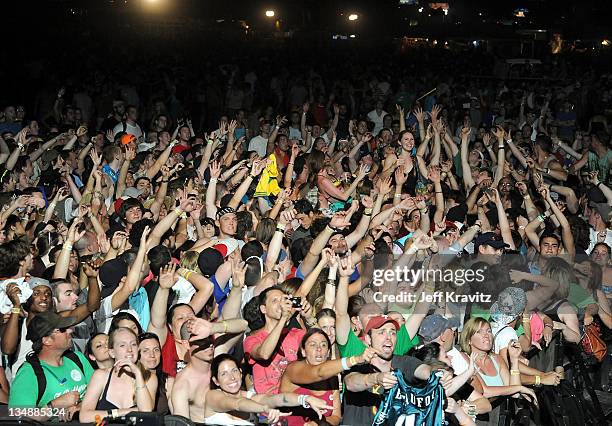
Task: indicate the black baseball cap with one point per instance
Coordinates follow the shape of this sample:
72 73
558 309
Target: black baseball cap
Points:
43 324
490 239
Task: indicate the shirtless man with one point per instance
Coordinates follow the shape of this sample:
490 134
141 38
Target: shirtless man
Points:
192 383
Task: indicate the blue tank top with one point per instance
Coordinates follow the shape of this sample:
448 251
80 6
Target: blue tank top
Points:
492 380
408 405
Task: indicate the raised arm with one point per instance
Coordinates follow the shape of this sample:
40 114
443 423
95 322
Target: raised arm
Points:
130 154
257 167
466 171
132 281
343 321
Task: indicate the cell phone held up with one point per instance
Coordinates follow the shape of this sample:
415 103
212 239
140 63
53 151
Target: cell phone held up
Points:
296 302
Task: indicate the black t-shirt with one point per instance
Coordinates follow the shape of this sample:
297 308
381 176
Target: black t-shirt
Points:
360 407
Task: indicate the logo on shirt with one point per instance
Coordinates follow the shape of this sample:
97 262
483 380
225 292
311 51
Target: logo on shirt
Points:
76 375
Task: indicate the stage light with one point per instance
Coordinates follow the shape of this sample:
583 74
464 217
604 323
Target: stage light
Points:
353 17
270 13
420 10
445 11
605 42
352 36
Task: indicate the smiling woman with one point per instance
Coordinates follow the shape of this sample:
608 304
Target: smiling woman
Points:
106 393
229 405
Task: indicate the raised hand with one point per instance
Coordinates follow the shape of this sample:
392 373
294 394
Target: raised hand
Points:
499 133
118 240
434 174
435 111
91 268
287 217
96 158
418 113
401 176
258 166
339 221
73 234
145 234
168 276
384 186
346 266
130 153
60 195
486 139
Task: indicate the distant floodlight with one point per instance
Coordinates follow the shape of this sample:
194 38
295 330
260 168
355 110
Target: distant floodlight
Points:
352 36
605 42
420 9
445 11
270 13
353 17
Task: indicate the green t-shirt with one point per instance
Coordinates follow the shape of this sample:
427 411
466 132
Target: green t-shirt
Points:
354 346
60 380
579 297
480 312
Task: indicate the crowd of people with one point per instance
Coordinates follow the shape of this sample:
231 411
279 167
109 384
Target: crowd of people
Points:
231 274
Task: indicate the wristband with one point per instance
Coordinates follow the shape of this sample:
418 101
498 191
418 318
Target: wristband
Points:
331 228
15 310
332 274
538 380
290 164
515 373
67 246
367 212
500 147
344 364
224 326
140 387
549 326
509 141
396 195
541 218
424 211
280 227
114 413
547 171
178 211
331 283
213 180
187 274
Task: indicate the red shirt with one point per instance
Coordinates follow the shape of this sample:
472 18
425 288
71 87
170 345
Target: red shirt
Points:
267 375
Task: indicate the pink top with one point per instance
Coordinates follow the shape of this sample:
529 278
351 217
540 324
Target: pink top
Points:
267 375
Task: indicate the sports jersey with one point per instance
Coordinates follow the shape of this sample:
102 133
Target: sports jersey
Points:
412 406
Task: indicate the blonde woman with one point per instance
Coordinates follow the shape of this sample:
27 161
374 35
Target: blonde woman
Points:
125 387
493 374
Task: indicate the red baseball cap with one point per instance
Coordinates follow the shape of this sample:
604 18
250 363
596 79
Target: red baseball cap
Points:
379 321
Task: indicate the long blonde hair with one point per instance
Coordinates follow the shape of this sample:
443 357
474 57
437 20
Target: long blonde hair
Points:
146 374
470 328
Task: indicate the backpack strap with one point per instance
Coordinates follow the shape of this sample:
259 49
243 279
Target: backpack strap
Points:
75 358
41 380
